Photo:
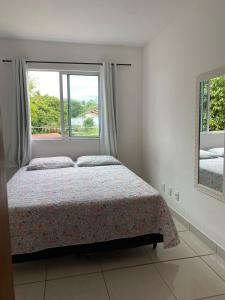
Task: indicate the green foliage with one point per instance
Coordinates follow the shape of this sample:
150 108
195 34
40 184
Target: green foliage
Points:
93 132
76 108
90 105
79 108
217 103
88 122
46 113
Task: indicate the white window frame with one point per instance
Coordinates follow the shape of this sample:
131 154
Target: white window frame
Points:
85 72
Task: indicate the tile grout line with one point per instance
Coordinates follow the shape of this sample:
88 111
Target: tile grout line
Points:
45 281
107 289
72 276
26 283
150 263
160 275
210 297
44 290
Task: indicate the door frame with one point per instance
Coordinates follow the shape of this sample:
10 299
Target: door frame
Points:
6 272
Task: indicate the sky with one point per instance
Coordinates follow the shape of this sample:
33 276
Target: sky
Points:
81 87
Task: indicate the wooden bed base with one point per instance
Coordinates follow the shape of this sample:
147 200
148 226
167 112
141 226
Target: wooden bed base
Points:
148 239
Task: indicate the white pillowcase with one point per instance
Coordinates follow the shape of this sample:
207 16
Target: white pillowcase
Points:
97 160
217 151
207 155
50 163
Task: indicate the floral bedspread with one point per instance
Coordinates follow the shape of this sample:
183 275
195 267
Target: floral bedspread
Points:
69 206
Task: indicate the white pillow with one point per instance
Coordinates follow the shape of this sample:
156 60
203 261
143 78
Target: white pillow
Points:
50 163
97 160
217 151
207 155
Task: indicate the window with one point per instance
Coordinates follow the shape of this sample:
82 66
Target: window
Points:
212 104
64 104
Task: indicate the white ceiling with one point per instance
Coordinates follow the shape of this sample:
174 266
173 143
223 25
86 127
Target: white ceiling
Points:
120 22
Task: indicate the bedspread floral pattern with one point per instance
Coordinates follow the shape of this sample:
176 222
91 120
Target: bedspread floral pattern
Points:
60 207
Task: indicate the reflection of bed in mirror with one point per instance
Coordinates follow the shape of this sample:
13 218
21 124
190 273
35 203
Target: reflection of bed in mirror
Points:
211 166
210 133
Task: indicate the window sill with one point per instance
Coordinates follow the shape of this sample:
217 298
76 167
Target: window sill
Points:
66 138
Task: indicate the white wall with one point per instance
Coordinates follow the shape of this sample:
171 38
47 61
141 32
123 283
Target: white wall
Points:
129 91
193 44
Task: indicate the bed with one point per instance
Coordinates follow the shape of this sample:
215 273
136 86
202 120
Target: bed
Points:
211 173
74 206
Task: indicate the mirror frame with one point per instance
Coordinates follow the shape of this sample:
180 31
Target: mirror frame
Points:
200 187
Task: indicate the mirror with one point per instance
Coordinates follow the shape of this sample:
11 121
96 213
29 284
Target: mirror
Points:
210 133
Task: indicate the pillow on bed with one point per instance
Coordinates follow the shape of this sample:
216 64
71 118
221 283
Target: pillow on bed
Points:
217 151
207 155
97 160
50 163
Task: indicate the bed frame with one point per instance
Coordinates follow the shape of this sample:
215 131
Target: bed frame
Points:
87 249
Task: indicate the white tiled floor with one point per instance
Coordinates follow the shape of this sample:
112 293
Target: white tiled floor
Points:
124 258
161 254
189 271
216 263
191 278
137 283
29 272
32 291
70 266
85 287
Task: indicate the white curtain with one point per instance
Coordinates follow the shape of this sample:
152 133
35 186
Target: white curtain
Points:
21 143
108 109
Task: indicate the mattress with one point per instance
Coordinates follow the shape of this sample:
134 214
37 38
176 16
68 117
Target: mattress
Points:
211 173
70 206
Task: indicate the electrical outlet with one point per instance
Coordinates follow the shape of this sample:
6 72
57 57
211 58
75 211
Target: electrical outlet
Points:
177 195
163 187
170 191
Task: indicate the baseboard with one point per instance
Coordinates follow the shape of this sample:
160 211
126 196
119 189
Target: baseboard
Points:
209 242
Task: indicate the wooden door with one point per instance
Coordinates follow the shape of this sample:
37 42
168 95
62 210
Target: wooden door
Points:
6 275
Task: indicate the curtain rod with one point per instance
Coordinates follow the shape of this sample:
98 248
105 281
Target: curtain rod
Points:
65 62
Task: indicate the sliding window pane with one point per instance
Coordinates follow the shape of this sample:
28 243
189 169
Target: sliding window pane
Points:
45 104
82 105
204 89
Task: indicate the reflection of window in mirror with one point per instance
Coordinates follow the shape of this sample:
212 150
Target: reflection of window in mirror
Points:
212 104
211 125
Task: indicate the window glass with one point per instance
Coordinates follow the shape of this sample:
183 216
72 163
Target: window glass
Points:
212 104
45 104
78 109
82 100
